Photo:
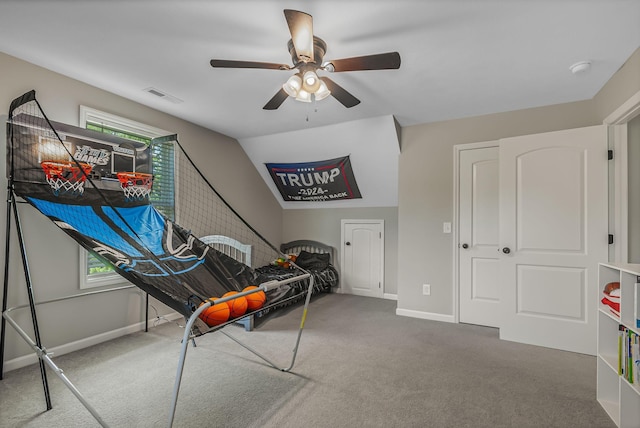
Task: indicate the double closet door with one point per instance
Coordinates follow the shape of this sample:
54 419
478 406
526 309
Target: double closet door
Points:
532 230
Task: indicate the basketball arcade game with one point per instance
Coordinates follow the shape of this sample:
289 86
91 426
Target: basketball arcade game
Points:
96 188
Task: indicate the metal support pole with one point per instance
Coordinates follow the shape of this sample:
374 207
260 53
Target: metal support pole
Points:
44 357
187 332
295 349
7 248
146 313
5 299
32 303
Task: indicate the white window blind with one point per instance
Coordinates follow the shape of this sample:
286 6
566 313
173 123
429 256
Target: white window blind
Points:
94 273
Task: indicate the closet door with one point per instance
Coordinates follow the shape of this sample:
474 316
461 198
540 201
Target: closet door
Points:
362 257
553 233
478 236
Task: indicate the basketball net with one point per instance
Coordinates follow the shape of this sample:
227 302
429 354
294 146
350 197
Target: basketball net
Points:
135 185
66 177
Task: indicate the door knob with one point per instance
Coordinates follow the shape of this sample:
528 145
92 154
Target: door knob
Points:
506 250
465 246
347 243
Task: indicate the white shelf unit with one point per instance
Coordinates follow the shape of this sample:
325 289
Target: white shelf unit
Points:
619 398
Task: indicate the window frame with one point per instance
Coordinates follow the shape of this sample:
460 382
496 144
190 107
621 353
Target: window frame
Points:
89 114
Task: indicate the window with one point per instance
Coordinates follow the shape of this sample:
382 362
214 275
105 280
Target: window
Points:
94 273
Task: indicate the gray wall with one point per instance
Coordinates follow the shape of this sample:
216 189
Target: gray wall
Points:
54 257
324 225
425 254
621 86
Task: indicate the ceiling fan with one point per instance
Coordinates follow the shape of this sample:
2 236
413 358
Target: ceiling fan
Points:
307 53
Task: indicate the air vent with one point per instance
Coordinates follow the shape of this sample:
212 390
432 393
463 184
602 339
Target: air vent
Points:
156 93
160 94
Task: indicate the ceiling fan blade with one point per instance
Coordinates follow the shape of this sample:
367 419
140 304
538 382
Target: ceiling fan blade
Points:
223 63
301 29
276 101
340 94
384 61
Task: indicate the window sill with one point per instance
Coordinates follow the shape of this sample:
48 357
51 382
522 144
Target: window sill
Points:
101 280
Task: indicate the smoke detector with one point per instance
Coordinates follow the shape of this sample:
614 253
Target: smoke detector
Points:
580 67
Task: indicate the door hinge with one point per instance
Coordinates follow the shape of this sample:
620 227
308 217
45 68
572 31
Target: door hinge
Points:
610 239
380 235
610 154
379 284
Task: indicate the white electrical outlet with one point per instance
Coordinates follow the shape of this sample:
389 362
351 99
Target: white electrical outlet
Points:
426 289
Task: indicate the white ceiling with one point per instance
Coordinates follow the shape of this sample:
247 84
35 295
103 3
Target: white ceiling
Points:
460 58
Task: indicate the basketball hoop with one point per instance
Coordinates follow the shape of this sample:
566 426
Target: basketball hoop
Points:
66 177
135 185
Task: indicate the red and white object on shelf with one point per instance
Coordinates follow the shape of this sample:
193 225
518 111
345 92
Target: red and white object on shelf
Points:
611 297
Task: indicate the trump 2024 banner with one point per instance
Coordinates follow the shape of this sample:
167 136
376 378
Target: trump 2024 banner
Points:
327 180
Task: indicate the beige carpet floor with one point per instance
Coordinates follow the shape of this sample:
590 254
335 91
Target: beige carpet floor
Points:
359 364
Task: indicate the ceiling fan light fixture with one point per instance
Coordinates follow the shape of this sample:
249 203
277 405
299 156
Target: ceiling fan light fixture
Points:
303 96
293 85
310 81
306 87
322 92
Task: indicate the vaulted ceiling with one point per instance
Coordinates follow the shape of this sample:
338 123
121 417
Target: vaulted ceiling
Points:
458 59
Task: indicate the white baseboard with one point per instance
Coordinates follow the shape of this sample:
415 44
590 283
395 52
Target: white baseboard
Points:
387 296
66 348
425 315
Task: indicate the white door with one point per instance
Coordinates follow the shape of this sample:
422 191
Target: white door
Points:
553 233
478 237
362 257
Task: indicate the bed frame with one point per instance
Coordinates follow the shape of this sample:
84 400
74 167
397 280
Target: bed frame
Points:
242 253
294 247
230 247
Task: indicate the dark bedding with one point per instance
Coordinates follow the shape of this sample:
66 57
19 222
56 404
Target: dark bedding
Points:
325 276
